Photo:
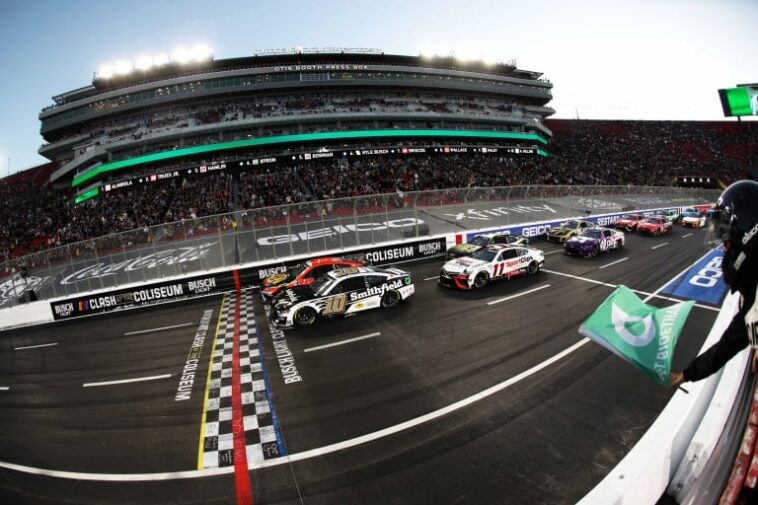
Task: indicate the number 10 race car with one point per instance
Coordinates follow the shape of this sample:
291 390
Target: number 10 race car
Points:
497 261
341 292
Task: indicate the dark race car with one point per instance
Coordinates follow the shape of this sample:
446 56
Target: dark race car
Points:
302 275
594 241
568 229
655 225
482 241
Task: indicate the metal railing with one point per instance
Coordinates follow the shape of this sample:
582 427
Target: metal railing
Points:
308 229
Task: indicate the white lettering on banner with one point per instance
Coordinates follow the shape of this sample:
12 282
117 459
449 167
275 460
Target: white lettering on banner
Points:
102 302
285 357
430 249
500 211
187 378
333 230
165 257
390 254
535 231
64 309
607 220
202 285
147 295
268 272
709 275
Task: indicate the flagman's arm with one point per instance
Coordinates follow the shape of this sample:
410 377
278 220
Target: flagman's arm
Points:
733 340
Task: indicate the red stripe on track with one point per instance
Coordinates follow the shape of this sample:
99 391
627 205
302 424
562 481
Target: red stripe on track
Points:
236 276
241 475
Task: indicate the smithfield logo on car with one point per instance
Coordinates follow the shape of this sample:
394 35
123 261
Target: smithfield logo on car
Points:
535 231
709 275
376 290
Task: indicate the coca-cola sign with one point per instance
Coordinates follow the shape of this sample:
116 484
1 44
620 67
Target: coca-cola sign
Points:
172 256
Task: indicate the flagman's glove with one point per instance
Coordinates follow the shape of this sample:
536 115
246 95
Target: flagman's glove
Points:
675 379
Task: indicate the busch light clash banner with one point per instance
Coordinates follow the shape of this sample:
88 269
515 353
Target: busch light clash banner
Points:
638 333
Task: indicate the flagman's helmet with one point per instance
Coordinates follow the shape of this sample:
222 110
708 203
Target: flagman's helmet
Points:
735 224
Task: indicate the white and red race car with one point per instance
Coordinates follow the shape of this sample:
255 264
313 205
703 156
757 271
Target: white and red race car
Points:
499 261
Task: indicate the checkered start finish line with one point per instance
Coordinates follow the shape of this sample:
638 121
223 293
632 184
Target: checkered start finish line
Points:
262 438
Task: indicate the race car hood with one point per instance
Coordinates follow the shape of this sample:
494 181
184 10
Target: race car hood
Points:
580 241
464 248
293 295
459 265
560 230
277 279
692 218
648 226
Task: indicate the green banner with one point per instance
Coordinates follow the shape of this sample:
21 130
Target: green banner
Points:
641 334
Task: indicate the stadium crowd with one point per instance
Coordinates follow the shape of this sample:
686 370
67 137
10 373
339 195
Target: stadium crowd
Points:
35 216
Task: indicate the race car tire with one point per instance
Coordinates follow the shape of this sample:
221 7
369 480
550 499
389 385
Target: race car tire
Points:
630 228
305 317
390 299
658 232
481 280
595 250
619 244
533 268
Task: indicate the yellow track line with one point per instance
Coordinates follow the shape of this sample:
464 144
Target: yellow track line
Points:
200 447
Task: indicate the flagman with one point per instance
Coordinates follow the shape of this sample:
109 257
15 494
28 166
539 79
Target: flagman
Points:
735 225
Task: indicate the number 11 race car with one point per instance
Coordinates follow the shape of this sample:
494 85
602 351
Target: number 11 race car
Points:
497 261
342 292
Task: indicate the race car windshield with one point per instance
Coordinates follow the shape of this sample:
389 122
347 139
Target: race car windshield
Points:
591 234
570 224
651 220
320 283
484 255
296 270
480 240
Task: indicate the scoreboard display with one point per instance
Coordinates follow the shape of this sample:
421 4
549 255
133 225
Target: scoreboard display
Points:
740 101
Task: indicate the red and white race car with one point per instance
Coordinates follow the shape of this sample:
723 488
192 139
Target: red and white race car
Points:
497 261
302 275
655 225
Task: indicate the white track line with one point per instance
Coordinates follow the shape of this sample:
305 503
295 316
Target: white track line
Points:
432 278
326 346
688 235
35 346
4 388
553 252
645 293
659 245
613 262
300 456
162 328
518 294
125 381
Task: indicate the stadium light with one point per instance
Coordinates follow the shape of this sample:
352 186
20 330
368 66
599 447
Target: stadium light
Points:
160 60
196 54
181 55
106 72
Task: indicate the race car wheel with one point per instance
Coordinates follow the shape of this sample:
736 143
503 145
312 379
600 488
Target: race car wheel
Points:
595 250
533 268
390 299
619 245
305 316
658 232
480 280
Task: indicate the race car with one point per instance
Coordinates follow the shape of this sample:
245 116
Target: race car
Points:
692 218
593 241
568 229
302 275
629 222
492 262
481 241
671 215
342 292
655 225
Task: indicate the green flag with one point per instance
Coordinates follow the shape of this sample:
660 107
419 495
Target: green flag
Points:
641 334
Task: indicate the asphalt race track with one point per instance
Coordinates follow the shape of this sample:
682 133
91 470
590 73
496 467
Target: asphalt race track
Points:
448 398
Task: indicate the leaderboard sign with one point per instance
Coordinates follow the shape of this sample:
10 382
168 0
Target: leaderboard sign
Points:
740 101
226 281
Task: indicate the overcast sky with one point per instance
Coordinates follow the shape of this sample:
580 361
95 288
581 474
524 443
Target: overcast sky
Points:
639 59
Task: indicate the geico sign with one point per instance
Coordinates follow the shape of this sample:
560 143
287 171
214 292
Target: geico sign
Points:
332 231
535 231
709 275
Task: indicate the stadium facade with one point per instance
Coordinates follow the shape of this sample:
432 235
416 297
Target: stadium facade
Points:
187 119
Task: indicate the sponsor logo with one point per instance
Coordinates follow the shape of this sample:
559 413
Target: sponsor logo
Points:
17 286
607 220
535 231
704 282
202 285
395 253
333 231
150 261
749 235
376 290
709 275
488 214
63 309
636 331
